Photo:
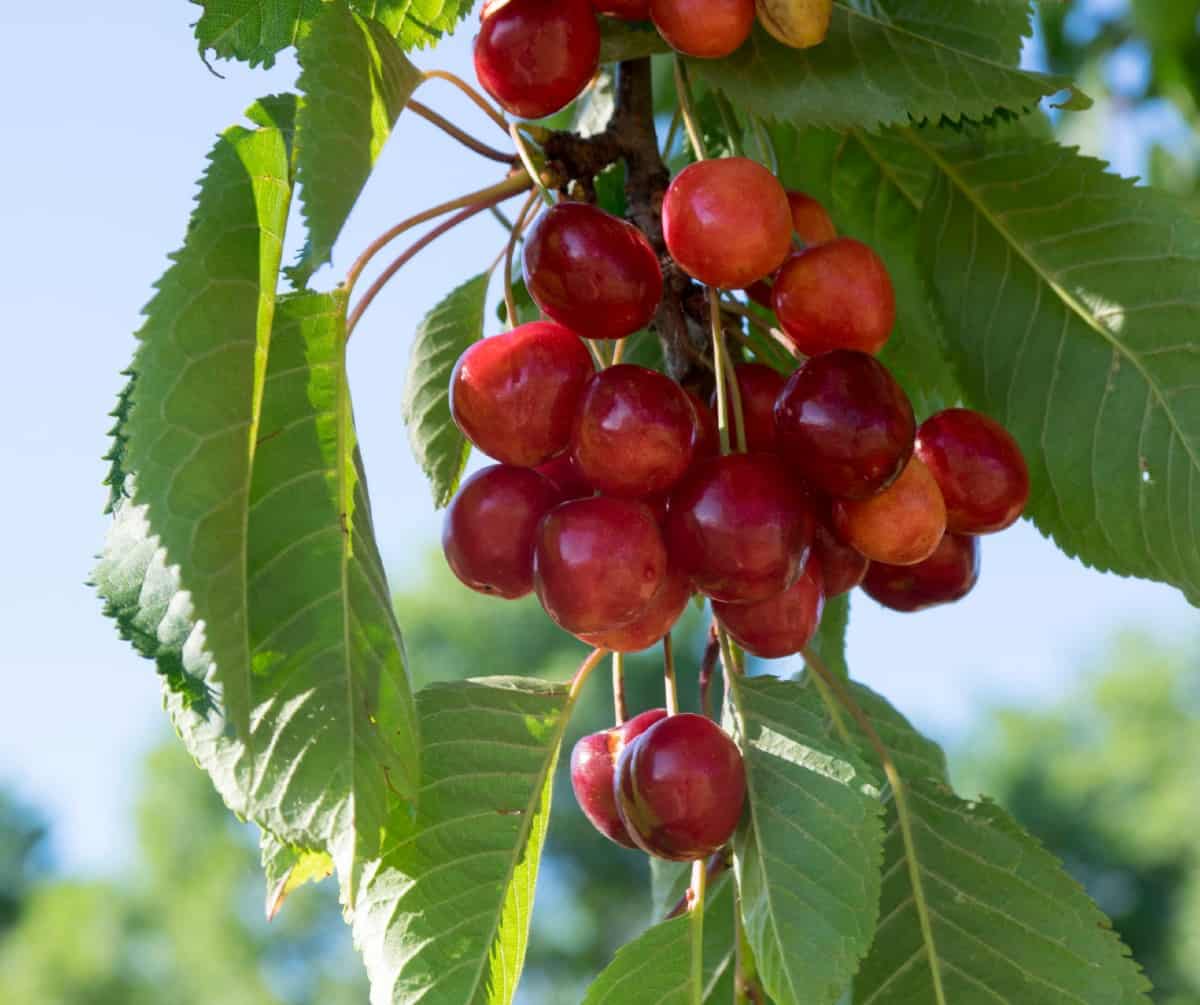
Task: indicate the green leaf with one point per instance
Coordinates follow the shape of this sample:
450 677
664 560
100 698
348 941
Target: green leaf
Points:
1072 301
869 73
355 81
288 868
252 30
808 850
445 334
193 414
829 643
1005 922
656 967
916 757
444 913
992 29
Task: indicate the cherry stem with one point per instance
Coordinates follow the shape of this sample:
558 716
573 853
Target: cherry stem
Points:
518 228
728 392
470 92
670 685
618 351
830 682
527 160
597 356
729 121
683 92
463 137
585 670
719 863
707 665
735 397
484 197
620 711
729 659
696 896
733 307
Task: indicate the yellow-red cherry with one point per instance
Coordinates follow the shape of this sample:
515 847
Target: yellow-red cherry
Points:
901 525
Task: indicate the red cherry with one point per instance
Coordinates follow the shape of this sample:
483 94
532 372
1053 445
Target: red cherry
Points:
740 527
562 473
845 424
489 529
781 625
902 525
592 272
944 577
708 435
842 567
597 563
835 296
726 221
979 468
680 788
626 10
535 56
652 624
705 29
634 432
593 767
809 219
514 395
759 386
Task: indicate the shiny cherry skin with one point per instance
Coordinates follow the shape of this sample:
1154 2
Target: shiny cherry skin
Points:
845 424
652 624
562 473
535 56
593 767
591 271
836 295
902 525
979 468
704 29
759 386
598 563
780 625
947 575
514 395
680 788
634 432
708 435
626 10
740 527
809 219
490 525
842 567
726 221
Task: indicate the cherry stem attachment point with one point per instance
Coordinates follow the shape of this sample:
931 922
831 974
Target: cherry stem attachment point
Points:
463 137
670 685
620 710
719 863
683 93
488 109
518 228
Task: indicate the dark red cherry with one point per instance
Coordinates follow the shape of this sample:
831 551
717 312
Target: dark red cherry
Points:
836 295
979 468
514 395
598 563
760 292
489 529
740 527
680 788
708 435
842 567
759 386
845 424
901 525
780 625
705 29
535 56
726 221
626 10
652 624
944 577
809 219
593 767
562 473
634 432
591 271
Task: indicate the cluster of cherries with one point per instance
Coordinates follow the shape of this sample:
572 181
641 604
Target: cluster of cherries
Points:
536 56
613 501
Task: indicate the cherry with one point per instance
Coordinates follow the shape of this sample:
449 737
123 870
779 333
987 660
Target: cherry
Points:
708 434
740 526
726 221
845 424
514 395
780 625
680 787
759 386
562 473
809 219
944 577
978 467
634 432
592 272
652 624
835 296
902 525
842 567
597 563
489 529
535 56
626 10
593 766
705 29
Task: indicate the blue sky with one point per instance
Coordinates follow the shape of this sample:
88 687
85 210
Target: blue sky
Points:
108 117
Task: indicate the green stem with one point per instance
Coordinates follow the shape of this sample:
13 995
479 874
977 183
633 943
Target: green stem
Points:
518 228
683 93
620 710
718 338
696 916
670 684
